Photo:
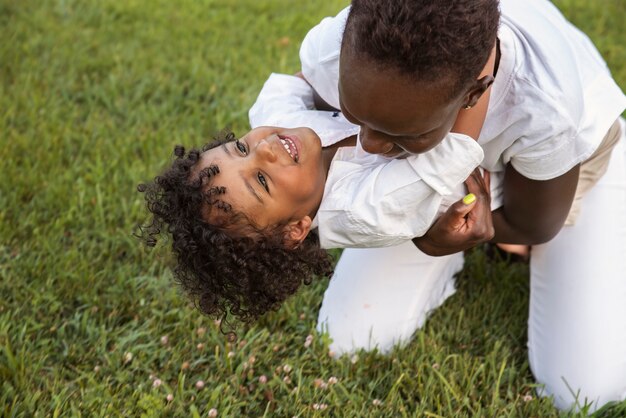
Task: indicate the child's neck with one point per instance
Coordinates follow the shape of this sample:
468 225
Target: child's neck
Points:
328 153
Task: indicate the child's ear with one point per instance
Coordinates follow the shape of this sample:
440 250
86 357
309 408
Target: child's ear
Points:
296 231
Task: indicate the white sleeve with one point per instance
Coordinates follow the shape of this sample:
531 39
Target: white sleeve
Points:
319 56
287 101
379 205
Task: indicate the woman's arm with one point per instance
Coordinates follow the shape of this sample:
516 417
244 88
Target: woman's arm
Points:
533 211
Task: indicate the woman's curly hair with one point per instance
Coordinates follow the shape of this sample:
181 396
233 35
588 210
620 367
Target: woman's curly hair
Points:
223 273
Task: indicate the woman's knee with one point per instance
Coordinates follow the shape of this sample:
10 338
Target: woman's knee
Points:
348 336
577 378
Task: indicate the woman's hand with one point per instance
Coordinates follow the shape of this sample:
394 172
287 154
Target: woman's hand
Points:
465 224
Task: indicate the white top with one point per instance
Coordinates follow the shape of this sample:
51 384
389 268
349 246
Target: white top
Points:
551 104
369 200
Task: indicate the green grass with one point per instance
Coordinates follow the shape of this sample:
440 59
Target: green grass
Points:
93 96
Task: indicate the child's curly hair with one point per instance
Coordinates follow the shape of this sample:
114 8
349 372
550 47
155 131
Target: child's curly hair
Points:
221 272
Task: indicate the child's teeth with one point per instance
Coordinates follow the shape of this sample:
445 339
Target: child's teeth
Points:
287 148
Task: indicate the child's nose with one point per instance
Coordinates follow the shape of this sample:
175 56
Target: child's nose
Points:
265 149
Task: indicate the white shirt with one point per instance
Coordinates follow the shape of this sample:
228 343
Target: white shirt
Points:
369 200
552 102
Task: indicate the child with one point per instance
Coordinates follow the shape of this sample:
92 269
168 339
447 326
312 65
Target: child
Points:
241 211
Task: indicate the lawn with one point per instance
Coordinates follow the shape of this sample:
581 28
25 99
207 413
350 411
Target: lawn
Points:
93 97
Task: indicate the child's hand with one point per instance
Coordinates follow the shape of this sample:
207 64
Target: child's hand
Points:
465 224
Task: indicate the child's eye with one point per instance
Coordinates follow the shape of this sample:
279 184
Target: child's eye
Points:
263 181
241 147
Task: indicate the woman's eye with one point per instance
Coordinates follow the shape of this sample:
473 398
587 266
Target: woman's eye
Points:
263 181
241 147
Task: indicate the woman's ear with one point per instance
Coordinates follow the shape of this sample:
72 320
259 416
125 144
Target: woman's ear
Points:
480 86
296 231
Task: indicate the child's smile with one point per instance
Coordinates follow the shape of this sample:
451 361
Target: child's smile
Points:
273 176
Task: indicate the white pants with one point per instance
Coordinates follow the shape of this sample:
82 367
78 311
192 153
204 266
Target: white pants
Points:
379 297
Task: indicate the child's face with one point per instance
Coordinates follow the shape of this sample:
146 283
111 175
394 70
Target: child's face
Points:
272 175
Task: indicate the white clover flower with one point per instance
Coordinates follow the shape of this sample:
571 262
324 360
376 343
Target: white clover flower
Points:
308 341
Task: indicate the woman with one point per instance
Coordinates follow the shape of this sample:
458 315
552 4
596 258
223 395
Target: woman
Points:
405 71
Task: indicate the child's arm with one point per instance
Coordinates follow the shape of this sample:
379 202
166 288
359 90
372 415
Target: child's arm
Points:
370 201
288 101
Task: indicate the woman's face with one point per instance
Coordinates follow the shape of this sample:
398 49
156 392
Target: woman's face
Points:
272 175
397 116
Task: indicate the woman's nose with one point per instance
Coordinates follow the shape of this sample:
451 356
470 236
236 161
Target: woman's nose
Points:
375 142
265 150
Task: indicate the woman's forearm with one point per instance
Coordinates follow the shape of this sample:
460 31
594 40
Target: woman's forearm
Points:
508 233
533 211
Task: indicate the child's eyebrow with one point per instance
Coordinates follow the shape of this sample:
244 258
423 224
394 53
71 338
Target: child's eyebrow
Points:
245 180
251 189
